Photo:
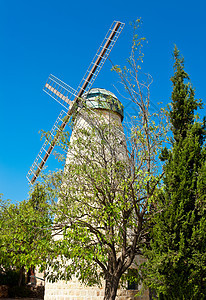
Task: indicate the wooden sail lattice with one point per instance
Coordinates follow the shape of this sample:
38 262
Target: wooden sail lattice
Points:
67 96
46 149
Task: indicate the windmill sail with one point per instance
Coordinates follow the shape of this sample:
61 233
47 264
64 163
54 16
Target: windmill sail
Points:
46 148
67 96
60 91
100 57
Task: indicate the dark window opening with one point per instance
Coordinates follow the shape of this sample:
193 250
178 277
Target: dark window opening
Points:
132 286
133 278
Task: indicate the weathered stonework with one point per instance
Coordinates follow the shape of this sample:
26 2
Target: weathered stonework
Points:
73 290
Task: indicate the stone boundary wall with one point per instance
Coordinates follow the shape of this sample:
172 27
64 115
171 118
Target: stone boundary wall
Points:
73 290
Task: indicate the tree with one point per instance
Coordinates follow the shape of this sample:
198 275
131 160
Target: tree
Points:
108 185
25 230
176 267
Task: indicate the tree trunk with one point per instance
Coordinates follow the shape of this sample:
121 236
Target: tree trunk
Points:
21 273
111 287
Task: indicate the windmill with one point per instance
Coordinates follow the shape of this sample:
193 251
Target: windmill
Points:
67 96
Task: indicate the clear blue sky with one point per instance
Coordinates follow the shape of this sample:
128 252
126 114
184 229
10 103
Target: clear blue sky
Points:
61 37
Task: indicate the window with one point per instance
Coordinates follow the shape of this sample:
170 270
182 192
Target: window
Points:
133 279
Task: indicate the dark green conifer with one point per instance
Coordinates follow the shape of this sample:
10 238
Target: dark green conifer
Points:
176 267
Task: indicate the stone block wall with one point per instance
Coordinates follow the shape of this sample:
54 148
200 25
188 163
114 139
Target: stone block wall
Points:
73 290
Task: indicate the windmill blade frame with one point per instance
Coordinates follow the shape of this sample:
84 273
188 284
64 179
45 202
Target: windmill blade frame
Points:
60 91
100 57
46 149
67 96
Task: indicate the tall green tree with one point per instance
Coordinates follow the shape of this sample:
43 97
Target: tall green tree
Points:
25 231
176 267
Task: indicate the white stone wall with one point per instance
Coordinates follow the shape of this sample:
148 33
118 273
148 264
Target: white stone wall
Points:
88 119
73 290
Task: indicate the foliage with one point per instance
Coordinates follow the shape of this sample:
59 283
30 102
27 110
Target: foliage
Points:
176 267
25 229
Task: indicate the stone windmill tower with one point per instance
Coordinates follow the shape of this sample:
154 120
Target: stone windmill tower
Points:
103 108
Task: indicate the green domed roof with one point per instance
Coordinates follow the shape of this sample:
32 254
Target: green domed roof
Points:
103 99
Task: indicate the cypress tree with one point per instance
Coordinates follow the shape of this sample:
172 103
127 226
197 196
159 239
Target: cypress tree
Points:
176 267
